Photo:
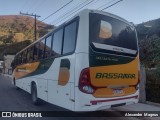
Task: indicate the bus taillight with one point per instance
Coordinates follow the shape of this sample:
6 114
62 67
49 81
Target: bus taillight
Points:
137 85
84 82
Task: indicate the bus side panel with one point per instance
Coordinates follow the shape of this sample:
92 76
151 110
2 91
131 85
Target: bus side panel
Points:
24 83
83 101
41 88
52 75
19 83
61 83
82 62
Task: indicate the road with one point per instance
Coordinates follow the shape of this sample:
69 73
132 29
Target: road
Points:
19 100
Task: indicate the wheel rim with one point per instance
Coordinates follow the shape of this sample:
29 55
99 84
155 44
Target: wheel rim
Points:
14 82
34 95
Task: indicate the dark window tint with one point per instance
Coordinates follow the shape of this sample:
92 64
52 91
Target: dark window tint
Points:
41 49
24 56
35 55
20 58
69 38
30 54
16 60
13 64
57 42
48 47
111 31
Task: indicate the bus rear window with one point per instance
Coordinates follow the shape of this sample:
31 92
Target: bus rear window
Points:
105 30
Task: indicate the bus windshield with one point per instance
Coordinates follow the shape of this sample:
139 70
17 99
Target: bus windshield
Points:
112 34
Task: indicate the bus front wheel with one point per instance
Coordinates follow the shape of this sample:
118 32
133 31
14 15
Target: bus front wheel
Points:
35 99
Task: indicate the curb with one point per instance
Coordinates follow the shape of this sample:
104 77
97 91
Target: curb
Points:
147 103
152 103
120 109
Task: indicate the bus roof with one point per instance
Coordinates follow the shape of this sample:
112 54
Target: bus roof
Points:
79 14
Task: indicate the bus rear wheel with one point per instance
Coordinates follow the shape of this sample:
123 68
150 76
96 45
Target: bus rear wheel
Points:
35 99
14 83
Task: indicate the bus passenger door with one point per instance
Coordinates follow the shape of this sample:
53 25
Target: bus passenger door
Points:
61 86
66 82
63 48
42 88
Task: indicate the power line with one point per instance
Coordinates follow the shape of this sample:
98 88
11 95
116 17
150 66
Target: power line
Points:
25 3
37 6
106 4
76 11
32 27
35 19
46 17
60 17
86 5
32 6
112 4
57 10
81 5
70 10
29 5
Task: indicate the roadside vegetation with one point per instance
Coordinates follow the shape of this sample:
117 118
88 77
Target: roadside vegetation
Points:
149 45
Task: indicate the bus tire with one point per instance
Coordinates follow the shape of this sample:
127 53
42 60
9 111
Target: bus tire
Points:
14 83
35 99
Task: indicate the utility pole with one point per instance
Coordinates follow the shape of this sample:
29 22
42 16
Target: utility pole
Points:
35 19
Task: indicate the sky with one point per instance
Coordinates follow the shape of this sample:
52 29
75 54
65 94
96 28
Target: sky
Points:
136 11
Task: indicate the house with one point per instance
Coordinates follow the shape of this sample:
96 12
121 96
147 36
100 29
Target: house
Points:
8 58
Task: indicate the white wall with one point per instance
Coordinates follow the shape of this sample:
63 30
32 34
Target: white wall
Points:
7 62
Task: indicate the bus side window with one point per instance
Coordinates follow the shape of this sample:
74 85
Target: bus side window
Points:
57 43
16 61
24 56
69 38
48 46
35 54
41 49
19 59
30 54
13 64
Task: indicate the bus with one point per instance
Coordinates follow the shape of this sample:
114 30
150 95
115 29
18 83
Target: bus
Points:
89 63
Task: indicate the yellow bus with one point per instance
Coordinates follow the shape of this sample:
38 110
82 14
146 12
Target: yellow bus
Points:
88 63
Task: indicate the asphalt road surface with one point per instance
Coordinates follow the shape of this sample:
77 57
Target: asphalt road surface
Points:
19 100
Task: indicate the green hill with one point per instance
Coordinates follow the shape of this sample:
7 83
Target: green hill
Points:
16 28
149 43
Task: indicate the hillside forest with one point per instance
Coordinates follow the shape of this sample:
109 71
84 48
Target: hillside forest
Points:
18 30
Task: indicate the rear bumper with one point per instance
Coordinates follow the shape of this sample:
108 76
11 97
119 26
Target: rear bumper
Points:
95 102
87 102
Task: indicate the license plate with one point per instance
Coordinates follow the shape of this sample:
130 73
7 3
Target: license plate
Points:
117 91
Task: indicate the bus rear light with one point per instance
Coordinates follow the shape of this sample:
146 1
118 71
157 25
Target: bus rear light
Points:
137 85
84 82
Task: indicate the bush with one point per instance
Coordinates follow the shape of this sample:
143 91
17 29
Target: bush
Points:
153 85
